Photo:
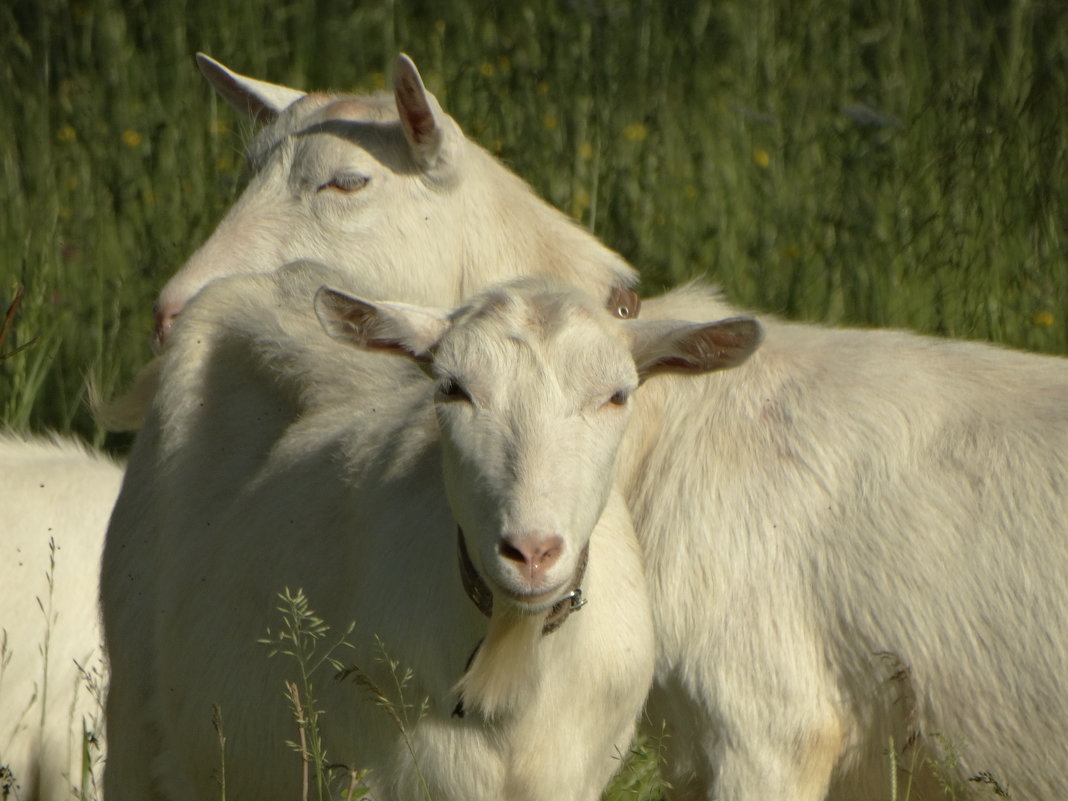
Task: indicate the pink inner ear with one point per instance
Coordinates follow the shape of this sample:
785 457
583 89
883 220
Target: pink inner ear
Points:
415 113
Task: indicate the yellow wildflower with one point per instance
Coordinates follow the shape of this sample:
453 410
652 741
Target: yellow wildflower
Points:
550 121
689 191
761 157
580 201
486 69
586 150
1044 318
66 133
635 132
131 138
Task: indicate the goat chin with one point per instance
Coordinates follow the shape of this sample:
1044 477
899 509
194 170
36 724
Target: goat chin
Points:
506 668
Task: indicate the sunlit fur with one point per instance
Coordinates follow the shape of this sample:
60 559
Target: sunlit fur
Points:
429 233
57 490
275 456
856 539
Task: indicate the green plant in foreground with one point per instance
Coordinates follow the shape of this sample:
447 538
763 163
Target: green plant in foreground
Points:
403 713
301 637
94 682
639 777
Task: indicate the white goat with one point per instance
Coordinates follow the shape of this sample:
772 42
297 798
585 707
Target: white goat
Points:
388 187
855 542
339 491
834 541
55 498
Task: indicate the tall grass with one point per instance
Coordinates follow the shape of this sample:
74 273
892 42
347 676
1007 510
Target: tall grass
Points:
891 162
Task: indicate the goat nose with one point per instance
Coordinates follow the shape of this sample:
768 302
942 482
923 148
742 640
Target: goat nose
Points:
164 321
532 553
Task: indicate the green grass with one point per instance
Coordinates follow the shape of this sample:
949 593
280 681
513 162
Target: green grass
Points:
891 163
868 162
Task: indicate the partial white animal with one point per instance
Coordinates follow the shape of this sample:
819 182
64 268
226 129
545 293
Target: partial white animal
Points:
55 498
340 493
857 541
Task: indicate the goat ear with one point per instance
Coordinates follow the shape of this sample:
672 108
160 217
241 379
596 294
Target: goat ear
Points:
408 330
426 127
260 100
661 346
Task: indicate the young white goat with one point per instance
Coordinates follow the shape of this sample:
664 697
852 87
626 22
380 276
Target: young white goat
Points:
336 486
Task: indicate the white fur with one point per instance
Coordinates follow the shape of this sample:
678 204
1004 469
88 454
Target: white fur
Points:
275 457
858 539
422 215
60 491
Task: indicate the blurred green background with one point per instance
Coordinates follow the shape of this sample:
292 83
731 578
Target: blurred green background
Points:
871 162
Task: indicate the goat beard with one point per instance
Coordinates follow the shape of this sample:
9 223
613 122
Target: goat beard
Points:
506 668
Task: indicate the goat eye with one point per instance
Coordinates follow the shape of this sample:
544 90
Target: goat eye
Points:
346 182
619 398
449 389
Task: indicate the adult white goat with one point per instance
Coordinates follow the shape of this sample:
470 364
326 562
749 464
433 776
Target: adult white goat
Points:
345 499
55 498
388 187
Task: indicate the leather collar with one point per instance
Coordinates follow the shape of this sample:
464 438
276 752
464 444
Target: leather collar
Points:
482 597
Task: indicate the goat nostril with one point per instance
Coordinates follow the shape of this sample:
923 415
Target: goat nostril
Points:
511 553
